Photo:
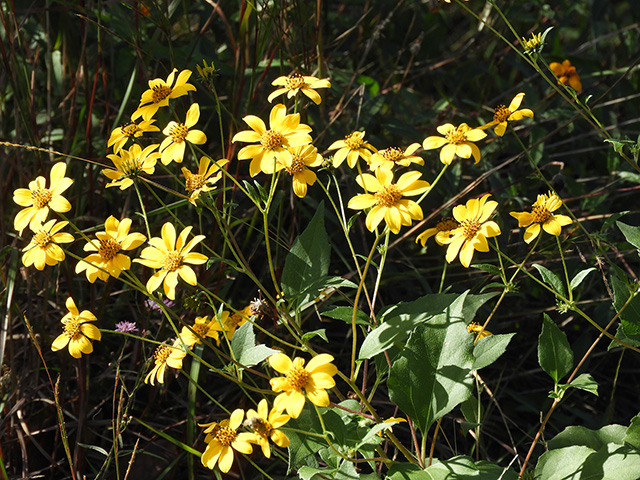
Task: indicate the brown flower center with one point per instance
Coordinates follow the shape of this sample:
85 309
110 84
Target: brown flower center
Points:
446 224
42 239
162 353
540 213
178 132
172 262
353 141
108 248
130 129
501 114
470 228
388 196
260 426
392 154
297 165
72 328
294 81
297 377
130 166
194 182
271 140
226 436
41 197
159 93
456 137
200 329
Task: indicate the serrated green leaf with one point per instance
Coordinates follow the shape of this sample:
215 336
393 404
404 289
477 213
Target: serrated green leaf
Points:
551 279
345 314
632 234
244 348
579 277
488 349
554 353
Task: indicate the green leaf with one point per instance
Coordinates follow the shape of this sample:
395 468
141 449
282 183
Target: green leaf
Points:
630 316
632 435
585 382
488 349
320 287
463 467
244 348
432 375
594 439
322 333
346 314
472 411
554 353
407 471
551 279
632 234
301 445
487 267
308 473
579 277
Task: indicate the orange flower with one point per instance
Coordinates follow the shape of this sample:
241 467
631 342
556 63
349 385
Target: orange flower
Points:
566 74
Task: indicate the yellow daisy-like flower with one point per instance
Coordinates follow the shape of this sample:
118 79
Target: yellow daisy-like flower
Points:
173 147
456 141
130 130
226 324
77 331
352 148
392 156
387 200
566 74
223 438
475 227
171 256
285 132
533 45
202 328
39 199
315 378
165 356
160 92
265 425
43 248
442 230
296 165
107 259
130 164
206 72
503 115
541 216
203 181
295 83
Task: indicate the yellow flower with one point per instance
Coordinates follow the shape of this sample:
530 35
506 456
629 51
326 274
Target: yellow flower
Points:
43 248
351 148
475 227
541 216
160 92
206 71
532 45
223 438
131 164
285 132
296 165
442 230
456 141
202 328
39 199
107 259
295 83
476 328
391 421
502 115
77 331
315 378
173 147
566 73
203 181
392 156
171 256
386 199
129 130
165 355
265 425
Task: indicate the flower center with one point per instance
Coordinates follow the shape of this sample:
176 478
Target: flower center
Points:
42 238
162 353
226 436
447 224
271 139
501 114
130 167
353 141
297 377
172 262
294 81
297 165
470 228
388 196
159 93
260 426
200 329
393 154
108 248
194 182
540 214
41 197
178 132
455 137
72 328
130 129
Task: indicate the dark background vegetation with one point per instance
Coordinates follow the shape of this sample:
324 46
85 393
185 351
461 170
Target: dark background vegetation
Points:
73 71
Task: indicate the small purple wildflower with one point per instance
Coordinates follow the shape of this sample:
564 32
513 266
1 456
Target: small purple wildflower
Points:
126 327
152 305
